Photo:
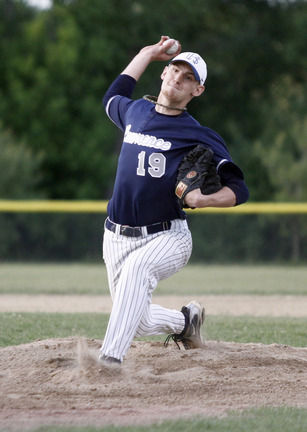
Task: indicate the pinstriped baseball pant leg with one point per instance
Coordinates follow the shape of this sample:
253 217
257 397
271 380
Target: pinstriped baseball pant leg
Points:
135 266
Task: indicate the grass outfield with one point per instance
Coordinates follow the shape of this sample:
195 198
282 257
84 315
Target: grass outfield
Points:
18 328
257 420
195 279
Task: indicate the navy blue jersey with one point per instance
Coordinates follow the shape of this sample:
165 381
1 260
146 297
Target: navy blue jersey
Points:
153 147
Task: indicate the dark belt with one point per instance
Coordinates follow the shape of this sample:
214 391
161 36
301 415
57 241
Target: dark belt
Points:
129 231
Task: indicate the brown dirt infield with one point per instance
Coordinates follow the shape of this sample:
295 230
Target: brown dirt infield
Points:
255 305
58 381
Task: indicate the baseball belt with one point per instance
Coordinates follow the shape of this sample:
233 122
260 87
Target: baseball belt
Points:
129 231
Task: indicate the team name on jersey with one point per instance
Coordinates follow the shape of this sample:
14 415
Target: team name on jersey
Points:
145 140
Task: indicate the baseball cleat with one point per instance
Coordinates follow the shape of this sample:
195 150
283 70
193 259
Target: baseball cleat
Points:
190 337
109 362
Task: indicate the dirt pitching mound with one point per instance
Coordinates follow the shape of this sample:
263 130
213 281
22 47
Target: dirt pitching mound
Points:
59 381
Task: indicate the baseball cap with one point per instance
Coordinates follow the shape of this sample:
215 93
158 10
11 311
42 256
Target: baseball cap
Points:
197 64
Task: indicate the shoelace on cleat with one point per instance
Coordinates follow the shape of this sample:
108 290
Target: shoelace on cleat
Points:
177 338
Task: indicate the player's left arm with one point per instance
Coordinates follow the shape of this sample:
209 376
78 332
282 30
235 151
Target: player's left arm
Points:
234 191
225 197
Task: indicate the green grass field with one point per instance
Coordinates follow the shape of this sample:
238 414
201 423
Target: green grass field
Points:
283 419
260 420
17 328
193 279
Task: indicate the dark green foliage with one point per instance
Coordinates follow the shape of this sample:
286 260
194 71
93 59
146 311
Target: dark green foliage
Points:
216 238
56 141
57 63
19 168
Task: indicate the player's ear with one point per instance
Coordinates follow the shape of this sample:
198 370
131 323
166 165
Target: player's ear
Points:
164 72
198 90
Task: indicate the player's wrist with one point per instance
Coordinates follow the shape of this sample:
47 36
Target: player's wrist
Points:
194 198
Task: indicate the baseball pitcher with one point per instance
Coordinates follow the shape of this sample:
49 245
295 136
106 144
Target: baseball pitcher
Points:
167 162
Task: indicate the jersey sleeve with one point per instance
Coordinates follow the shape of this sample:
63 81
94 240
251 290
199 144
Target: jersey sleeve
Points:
232 177
118 98
230 174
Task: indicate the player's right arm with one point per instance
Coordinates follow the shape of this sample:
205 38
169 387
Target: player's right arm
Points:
118 96
156 52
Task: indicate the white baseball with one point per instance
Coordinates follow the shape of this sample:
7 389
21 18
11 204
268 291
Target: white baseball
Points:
173 48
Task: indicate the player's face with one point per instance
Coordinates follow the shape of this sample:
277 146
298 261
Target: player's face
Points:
179 82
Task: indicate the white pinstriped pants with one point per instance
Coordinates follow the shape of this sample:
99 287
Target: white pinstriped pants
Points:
134 266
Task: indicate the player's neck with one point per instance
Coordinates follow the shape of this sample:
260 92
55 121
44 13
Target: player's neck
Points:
164 107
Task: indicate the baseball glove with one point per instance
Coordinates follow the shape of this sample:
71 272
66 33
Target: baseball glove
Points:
197 170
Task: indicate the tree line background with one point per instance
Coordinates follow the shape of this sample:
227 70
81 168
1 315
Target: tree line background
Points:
57 143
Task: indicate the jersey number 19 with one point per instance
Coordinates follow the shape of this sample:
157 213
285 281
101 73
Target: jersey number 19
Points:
156 162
